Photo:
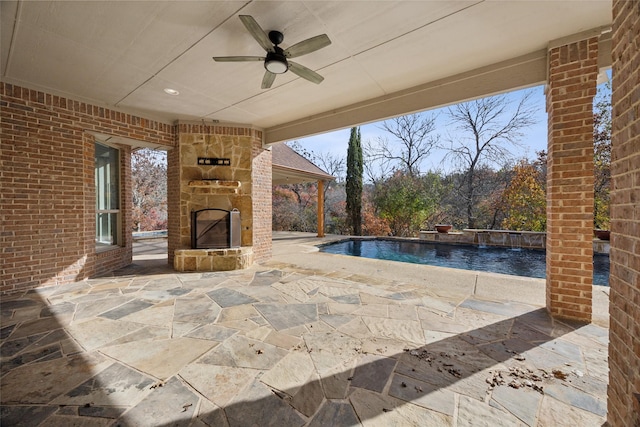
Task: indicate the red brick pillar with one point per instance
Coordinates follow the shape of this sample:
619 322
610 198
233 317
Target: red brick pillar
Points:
573 70
261 192
624 305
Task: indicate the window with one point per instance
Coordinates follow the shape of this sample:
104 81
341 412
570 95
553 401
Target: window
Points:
107 196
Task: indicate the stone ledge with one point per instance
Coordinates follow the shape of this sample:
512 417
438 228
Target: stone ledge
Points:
213 259
450 237
501 238
216 186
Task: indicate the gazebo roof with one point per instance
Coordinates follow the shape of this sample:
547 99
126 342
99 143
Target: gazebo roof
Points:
289 167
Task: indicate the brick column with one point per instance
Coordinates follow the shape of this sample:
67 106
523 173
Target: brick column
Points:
173 199
623 408
573 70
261 192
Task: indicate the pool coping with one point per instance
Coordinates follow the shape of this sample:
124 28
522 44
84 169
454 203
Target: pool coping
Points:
422 241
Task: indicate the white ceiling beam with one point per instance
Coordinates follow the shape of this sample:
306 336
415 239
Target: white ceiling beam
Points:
517 73
524 71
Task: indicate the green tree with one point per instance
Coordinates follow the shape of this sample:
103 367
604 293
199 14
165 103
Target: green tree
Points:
354 182
408 203
524 200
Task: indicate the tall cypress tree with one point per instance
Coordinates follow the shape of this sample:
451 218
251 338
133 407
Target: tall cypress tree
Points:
354 182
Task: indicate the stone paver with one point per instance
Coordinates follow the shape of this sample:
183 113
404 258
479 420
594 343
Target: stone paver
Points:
304 339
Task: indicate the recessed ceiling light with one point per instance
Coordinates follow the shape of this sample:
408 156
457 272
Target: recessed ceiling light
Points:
172 91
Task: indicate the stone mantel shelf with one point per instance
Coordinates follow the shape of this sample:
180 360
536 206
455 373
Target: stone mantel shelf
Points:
216 184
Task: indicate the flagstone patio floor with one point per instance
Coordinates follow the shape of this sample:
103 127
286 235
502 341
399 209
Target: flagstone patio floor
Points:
306 338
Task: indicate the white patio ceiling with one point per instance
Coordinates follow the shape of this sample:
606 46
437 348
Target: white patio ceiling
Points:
386 58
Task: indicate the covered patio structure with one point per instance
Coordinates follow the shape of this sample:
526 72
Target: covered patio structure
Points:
82 83
290 167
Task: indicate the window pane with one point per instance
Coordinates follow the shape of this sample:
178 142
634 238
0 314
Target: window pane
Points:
107 228
107 178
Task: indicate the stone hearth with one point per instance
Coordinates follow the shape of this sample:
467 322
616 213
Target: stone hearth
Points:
213 259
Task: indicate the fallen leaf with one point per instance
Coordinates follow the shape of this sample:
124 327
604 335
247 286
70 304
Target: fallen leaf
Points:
559 374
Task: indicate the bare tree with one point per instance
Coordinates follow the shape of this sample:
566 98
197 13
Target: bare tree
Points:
149 189
376 168
330 163
413 141
602 157
486 129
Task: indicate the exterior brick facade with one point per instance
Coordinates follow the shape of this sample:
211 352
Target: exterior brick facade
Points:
624 306
573 70
47 186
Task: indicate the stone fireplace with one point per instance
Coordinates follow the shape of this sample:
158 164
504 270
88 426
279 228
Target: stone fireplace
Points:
215 229
219 172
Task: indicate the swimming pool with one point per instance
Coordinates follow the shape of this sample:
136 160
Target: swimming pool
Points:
519 262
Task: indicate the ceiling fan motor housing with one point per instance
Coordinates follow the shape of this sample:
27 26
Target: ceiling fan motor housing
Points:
276 37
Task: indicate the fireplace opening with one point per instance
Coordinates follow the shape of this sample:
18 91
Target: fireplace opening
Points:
215 229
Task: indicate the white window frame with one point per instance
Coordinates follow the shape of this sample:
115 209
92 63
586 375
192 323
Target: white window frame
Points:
103 202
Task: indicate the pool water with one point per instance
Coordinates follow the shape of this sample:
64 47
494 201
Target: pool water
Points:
519 262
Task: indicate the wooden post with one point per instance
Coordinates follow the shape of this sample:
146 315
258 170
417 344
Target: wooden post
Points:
320 208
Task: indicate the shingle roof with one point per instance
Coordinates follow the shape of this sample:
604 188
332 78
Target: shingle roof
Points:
290 167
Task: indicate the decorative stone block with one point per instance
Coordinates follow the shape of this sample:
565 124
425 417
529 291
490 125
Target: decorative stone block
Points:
213 259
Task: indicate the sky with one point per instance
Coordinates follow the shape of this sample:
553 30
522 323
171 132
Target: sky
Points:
535 138
533 141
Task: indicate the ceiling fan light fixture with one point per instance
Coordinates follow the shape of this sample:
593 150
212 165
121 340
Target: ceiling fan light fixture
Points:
276 63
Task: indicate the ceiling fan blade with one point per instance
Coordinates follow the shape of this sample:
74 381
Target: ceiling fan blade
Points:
307 46
237 58
305 73
257 32
268 79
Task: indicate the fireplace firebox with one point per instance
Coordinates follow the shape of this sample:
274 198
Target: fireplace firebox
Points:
215 229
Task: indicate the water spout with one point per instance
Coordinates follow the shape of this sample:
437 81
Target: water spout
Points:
515 239
483 240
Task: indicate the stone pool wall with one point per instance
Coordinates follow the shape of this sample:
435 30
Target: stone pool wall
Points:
500 238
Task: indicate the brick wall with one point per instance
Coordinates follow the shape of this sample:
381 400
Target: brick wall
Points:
624 307
261 177
47 189
573 70
173 208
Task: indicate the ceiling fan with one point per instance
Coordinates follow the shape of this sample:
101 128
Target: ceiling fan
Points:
277 59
